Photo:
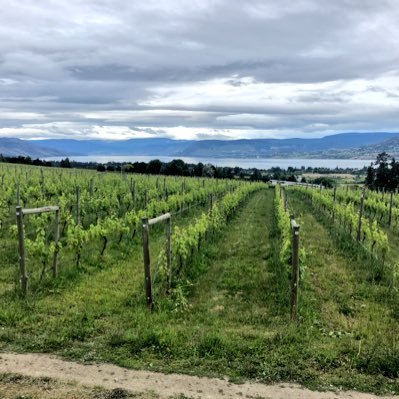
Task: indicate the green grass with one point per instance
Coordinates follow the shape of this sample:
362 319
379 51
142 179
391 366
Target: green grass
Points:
232 314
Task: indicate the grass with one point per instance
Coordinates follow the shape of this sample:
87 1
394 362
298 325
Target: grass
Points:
231 317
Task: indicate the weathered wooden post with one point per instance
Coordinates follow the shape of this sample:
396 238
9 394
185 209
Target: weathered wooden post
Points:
285 200
390 209
77 205
56 239
18 194
164 188
169 251
91 186
334 201
21 250
133 191
147 264
42 178
359 227
295 271
211 204
145 198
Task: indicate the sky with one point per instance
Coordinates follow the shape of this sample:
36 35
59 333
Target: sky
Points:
198 69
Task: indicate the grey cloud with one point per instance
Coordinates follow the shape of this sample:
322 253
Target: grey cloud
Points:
64 59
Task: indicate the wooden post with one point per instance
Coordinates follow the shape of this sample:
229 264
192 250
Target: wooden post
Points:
77 205
211 204
2 181
134 194
91 186
390 209
56 239
145 198
21 250
168 251
295 272
285 200
18 194
164 188
335 198
147 264
359 227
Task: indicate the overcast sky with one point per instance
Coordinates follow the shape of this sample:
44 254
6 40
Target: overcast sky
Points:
198 68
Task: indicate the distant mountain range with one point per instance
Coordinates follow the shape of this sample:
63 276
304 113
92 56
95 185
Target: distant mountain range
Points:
16 147
345 145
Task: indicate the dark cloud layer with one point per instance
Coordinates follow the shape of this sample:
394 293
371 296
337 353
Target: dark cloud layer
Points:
198 69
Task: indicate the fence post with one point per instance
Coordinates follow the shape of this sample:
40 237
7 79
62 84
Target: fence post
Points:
56 239
147 264
164 188
335 199
21 250
285 200
18 194
359 227
133 191
295 273
77 205
41 178
91 186
168 250
390 209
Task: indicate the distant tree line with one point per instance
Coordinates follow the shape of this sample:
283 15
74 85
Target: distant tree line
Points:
178 167
25 161
383 173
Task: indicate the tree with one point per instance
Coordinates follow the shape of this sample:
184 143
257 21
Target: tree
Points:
370 177
65 163
198 169
154 167
382 174
256 176
208 171
324 181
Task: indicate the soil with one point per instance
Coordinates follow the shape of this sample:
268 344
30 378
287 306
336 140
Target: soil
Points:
75 380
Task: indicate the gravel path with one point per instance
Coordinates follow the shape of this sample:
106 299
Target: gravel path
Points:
165 385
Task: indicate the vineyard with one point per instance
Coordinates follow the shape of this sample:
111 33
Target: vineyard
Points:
246 280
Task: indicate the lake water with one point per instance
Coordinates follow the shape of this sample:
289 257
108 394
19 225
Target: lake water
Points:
259 163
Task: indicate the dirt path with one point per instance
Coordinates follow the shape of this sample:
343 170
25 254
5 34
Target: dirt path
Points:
165 385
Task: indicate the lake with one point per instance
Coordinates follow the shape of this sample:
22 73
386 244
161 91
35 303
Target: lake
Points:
259 163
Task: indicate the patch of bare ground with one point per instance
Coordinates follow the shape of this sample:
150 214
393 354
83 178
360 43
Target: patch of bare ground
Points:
32 376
